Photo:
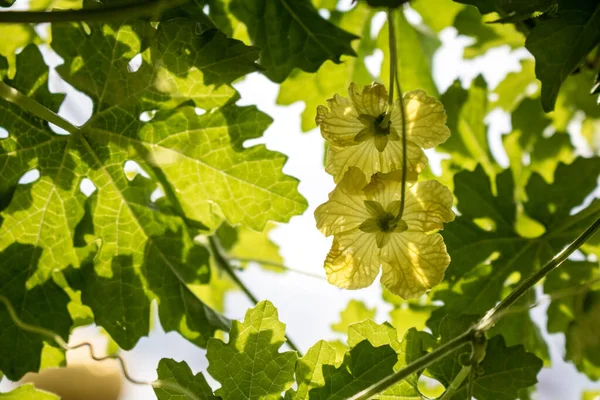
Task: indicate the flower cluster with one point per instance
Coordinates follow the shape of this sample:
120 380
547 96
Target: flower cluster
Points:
364 212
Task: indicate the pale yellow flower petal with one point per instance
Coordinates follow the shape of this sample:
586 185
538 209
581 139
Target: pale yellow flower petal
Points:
427 206
353 261
413 263
387 188
372 100
345 208
426 119
370 160
339 121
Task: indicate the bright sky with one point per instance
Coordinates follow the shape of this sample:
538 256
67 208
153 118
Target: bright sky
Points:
309 305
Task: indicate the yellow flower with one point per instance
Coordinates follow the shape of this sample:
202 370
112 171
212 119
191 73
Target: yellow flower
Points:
359 134
362 217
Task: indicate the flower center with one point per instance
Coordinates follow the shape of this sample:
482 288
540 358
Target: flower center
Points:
387 222
378 130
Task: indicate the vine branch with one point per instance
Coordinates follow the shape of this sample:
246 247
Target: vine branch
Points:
483 324
149 8
223 262
56 338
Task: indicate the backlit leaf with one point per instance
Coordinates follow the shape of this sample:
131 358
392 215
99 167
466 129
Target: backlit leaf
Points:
250 365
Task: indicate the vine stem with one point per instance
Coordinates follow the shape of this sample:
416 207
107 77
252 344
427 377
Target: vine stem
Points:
149 8
483 324
56 338
395 74
223 262
27 103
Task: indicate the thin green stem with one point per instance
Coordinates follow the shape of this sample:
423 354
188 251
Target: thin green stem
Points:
224 264
417 365
149 8
483 324
276 265
394 57
12 95
456 382
55 337
491 318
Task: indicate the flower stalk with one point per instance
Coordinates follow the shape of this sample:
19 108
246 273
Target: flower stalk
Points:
394 77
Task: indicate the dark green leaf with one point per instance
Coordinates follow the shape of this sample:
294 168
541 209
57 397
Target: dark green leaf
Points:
560 44
37 302
332 78
295 36
483 243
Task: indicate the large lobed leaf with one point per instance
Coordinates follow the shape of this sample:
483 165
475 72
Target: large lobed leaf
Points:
250 365
146 250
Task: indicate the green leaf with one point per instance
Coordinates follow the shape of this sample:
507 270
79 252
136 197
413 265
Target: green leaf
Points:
356 311
572 274
6 3
469 22
20 36
296 37
415 53
47 5
146 250
590 395
529 123
27 392
514 87
250 366
583 344
466 111
249 245
519 328
42 304
560 44
409 349
362 366
484 256
331 78
179 373
309 370
505 370
410 316
437 14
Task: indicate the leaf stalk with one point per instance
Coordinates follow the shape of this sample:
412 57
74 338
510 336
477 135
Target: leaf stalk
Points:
223 263
12 95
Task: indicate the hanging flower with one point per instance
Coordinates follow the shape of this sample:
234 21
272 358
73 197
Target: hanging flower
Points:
360 134
367 234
